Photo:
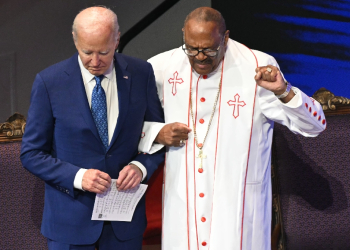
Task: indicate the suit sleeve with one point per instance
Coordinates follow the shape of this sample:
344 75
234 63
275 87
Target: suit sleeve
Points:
37 151
154 113
302 115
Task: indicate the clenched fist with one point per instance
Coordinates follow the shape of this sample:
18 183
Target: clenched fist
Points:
269 77
172 134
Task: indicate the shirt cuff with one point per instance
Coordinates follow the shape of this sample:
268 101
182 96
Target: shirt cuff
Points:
141 167
296 100
150 131
78 180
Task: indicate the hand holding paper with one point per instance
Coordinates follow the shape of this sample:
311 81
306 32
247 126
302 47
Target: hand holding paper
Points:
114 205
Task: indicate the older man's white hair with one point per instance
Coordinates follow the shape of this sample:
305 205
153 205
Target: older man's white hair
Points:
94 18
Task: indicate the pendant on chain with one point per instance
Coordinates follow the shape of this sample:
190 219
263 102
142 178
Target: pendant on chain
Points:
201 145
201 156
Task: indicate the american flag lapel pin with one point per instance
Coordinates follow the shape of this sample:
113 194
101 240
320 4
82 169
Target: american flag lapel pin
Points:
126 77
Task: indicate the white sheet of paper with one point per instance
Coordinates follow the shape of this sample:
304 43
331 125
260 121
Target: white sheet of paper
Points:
114 205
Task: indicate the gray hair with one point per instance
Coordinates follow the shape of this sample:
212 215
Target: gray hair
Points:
109 14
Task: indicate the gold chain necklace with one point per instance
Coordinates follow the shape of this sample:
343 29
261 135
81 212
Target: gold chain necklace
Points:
201 145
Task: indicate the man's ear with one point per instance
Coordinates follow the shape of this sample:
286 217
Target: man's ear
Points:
227 36
74 38
118 40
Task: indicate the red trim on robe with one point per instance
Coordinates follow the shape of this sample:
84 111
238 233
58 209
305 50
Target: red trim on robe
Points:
216 147
188 124
194 162
250 140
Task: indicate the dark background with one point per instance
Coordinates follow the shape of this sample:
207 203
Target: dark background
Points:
35 34
309 39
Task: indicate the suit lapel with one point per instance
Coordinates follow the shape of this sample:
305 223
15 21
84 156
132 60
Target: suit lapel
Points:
79 94
123 85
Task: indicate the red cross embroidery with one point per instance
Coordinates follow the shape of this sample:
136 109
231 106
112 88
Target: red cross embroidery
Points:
175 80
236 103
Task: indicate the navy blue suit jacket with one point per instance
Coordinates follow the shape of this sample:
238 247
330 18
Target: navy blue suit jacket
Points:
61 137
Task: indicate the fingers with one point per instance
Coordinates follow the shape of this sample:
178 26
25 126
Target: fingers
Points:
258 74
179 134
270 78
181 128
129 177
96 181
171 134
267 73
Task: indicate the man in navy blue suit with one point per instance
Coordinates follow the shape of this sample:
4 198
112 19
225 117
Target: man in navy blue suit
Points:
83 128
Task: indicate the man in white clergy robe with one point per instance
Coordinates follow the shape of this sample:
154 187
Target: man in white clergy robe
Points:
220 101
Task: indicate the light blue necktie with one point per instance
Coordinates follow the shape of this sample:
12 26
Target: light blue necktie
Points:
99 110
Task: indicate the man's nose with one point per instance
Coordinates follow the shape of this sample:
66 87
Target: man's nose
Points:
95 60
201 56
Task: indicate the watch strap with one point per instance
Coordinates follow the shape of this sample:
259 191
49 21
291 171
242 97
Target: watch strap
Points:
289 87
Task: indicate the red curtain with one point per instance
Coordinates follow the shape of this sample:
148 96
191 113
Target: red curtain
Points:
153 233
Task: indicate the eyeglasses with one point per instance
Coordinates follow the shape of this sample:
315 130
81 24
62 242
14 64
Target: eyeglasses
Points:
206 52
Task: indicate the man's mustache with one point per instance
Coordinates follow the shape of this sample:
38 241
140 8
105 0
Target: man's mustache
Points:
206 61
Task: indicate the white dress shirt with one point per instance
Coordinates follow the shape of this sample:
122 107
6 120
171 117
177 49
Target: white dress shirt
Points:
109 85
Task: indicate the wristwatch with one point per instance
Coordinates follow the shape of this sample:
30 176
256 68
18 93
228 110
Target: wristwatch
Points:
289 86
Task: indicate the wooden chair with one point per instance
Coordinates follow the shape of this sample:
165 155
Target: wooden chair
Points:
22 194
311 191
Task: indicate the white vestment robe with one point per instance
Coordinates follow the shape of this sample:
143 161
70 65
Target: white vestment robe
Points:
228 205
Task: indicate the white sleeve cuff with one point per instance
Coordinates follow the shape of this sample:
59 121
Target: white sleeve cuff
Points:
296 100
150 131
141 167
78 180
